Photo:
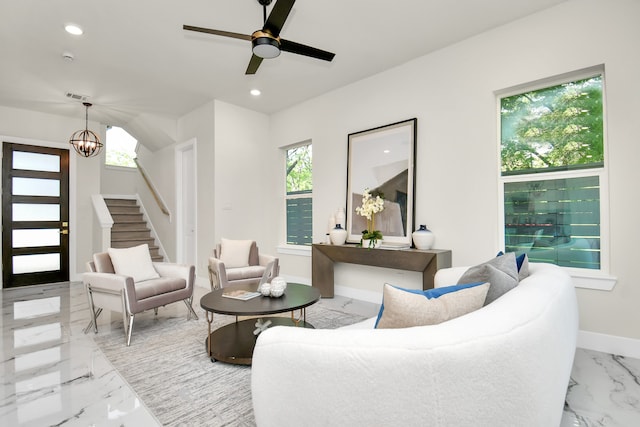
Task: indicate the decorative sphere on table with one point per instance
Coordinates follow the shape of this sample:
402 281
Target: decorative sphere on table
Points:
278 285
265 289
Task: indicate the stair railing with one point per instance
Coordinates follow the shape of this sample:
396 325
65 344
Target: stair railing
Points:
161 204
104 219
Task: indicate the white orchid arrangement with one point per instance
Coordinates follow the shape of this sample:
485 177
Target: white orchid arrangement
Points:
369 208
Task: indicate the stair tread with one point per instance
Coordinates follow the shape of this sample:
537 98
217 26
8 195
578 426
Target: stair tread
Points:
129 226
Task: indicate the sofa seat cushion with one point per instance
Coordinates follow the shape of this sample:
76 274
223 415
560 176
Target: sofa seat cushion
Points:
250 272
154 287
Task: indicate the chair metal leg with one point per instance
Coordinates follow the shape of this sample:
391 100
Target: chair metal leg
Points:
130 329
93 322
188 302
94 314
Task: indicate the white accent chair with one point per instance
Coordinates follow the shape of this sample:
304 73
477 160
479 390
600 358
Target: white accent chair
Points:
116 292
238 261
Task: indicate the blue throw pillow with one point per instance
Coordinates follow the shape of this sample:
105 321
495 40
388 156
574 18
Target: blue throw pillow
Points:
430 293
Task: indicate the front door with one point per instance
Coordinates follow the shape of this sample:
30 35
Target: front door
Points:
35 215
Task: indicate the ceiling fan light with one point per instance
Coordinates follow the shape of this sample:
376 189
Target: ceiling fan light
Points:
266 47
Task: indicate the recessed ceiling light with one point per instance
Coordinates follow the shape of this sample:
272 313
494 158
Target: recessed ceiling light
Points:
73 29
255 92
386 151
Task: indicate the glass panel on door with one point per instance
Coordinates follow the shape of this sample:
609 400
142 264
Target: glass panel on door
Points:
36 263
37 237
35 212
23 160
36 187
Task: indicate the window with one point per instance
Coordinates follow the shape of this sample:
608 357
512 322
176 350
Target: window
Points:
553 171
299 195
120 148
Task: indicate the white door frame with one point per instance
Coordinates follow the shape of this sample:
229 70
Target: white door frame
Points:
180 149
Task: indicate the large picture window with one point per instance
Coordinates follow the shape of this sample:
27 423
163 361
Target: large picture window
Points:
553 172
299 185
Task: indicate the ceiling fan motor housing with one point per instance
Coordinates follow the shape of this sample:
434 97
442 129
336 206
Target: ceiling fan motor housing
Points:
265 45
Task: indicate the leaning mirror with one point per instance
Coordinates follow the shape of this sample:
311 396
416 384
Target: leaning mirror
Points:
381 160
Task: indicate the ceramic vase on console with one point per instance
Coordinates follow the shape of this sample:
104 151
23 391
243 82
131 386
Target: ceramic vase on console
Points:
340 217
338 235
423 238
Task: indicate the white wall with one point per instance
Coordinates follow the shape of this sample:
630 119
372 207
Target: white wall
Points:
200 126
452 93
160 168
246 193
116 180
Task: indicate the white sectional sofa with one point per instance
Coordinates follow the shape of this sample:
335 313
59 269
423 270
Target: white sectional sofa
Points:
506 364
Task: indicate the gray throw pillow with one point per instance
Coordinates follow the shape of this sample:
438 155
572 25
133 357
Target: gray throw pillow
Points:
501 272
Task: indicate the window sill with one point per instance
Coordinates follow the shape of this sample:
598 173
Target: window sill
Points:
298 250
600 282
121 168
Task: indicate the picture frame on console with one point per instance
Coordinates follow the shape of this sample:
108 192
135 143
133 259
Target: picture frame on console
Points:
382 159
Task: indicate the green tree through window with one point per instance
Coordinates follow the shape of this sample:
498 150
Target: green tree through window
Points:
120 148
559 127
557 130
299 184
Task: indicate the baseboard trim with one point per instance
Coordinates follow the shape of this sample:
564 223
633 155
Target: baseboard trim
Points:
358 294
612 344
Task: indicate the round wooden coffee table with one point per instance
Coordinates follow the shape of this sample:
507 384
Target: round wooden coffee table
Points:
234 343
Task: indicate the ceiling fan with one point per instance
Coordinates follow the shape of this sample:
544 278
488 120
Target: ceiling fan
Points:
266 42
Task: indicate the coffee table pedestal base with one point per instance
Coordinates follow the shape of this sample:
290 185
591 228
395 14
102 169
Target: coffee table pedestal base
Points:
234 343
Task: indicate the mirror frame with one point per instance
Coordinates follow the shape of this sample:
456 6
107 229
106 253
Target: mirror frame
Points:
397 137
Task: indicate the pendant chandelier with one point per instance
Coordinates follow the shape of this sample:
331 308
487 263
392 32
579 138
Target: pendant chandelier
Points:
86 142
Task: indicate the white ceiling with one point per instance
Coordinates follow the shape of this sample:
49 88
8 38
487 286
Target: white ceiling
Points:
135 60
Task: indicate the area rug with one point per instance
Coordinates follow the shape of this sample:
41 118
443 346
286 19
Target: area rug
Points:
168 368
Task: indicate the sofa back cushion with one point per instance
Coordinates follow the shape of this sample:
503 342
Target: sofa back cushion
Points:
403 308
102 263
501 272
134 262
238 253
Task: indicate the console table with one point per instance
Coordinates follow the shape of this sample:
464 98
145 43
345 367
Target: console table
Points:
323 256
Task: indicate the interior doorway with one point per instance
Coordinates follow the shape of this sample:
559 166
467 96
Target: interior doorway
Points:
35 215
186 183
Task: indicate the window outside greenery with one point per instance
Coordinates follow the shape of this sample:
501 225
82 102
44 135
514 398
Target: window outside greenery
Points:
120 148
558 131
299 187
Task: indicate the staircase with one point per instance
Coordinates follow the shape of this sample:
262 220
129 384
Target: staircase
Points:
129 227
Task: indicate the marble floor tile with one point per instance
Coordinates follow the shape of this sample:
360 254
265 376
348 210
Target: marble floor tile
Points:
54 374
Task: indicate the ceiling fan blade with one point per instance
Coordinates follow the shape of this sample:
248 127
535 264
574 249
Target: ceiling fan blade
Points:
217 32
301 49
278 15
254 63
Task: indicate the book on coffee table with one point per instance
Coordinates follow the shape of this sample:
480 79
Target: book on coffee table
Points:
241 294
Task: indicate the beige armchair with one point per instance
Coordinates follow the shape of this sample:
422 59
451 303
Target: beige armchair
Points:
122 293
238 261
